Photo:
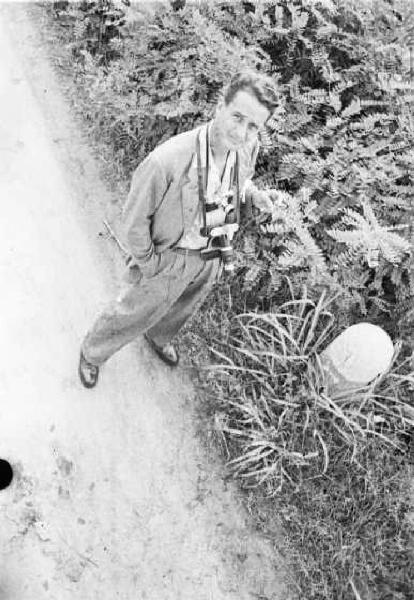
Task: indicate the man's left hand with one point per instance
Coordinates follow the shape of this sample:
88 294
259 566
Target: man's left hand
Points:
261 199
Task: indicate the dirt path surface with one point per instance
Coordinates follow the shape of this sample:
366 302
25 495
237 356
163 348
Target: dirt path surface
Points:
113 495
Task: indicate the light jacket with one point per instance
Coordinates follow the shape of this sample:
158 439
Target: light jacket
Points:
163 198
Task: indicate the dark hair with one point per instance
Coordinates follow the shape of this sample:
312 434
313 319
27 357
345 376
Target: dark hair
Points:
261 86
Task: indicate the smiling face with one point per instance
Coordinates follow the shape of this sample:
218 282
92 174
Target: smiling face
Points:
238 123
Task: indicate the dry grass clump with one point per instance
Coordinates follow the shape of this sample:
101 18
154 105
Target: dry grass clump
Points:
337 466
272 386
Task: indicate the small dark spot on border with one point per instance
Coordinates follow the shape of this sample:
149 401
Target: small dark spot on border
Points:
6 474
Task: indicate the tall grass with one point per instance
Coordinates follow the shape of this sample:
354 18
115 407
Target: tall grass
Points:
337 466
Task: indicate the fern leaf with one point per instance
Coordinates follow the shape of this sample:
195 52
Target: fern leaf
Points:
249 246
251 276
354 108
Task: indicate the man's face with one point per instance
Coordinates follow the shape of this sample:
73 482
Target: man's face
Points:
239 122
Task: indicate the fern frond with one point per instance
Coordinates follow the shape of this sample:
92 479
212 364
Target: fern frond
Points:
252 275
249 246
354 108
369 237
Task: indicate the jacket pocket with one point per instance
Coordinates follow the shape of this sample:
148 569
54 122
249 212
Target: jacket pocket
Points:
166 261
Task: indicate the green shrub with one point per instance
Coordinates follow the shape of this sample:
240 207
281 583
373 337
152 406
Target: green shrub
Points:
341 146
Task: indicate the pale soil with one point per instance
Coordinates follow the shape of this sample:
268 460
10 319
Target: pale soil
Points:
114 495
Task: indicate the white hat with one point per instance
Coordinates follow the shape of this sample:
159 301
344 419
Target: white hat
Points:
357 355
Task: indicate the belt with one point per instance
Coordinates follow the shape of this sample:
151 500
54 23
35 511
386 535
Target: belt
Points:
188 251
203 253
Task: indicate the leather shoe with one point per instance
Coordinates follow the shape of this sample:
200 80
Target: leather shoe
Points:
88 373
167 353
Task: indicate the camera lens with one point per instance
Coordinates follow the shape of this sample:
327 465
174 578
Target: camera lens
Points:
226 253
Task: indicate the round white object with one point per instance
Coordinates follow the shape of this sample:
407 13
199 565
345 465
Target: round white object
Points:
358 355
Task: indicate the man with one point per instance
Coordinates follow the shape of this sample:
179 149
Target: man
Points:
180 195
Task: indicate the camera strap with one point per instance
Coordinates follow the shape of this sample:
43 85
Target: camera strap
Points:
236 187
202 180
202 175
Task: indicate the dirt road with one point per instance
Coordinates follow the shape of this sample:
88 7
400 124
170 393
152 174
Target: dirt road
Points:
113 495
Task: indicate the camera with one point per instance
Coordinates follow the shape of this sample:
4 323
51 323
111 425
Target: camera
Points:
222 225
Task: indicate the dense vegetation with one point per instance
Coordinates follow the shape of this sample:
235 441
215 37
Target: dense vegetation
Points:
339 249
